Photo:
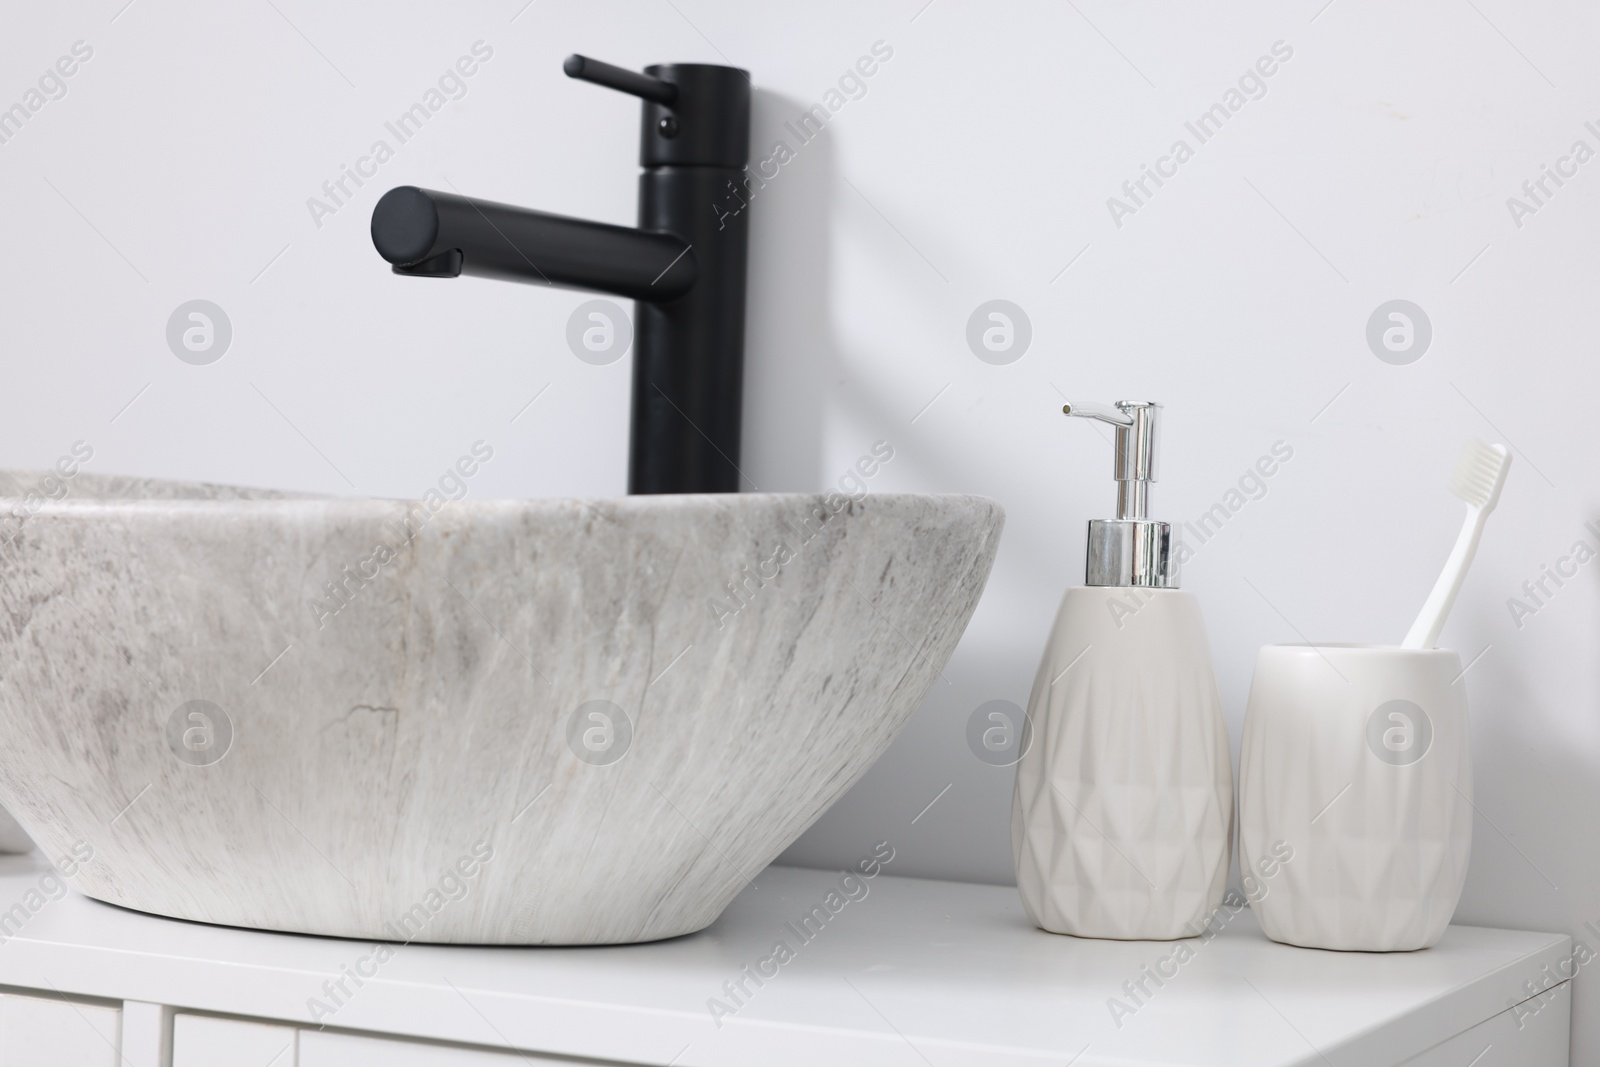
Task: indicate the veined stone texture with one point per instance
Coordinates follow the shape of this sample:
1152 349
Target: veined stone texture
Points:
384 741
1122 817
1380 847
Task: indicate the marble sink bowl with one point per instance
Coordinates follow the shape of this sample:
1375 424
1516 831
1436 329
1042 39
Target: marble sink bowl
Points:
551 722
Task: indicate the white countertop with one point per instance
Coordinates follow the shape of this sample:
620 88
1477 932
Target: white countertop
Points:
915 972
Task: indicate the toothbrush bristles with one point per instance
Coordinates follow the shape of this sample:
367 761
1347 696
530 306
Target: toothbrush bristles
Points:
1480 473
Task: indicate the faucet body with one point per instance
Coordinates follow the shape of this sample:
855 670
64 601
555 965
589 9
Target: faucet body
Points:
684 265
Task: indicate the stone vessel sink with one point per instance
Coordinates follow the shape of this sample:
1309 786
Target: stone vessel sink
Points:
512 722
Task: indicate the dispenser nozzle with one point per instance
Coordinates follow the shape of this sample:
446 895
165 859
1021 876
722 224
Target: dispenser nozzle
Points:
1138 426
1104 412
1132 549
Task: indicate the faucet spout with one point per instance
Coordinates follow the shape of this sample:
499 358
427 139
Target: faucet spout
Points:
684 266
430 234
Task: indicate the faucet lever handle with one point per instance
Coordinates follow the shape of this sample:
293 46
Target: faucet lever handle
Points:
620 79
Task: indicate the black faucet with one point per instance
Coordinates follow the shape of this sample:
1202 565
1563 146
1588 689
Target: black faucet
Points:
685 264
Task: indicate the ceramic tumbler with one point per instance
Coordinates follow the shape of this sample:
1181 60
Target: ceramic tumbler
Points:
1356 757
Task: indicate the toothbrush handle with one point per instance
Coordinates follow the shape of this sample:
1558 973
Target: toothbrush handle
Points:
1424 633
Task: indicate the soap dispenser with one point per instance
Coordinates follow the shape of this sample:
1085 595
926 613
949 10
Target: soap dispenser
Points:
1122 814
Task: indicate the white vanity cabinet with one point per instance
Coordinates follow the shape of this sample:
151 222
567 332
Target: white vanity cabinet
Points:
210 1041
323 1049
207 1041
902 971
54 1031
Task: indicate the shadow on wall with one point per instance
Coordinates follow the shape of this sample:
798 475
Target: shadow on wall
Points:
790 357
970 836
967 836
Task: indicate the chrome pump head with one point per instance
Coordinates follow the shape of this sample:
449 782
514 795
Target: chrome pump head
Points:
1130 550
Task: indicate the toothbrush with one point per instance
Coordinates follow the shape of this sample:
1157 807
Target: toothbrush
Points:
1480 475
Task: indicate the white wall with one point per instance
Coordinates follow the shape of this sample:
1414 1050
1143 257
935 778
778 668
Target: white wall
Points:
977 166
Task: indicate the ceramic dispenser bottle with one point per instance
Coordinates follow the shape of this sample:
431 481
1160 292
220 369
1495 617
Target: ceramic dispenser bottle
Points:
1122 816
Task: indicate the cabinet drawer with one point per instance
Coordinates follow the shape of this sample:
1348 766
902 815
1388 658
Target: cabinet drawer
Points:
1532 1035
323 1049
204 1041
50 1032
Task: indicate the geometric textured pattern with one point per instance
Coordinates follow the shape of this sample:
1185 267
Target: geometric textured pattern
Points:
1380 850
1122 815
